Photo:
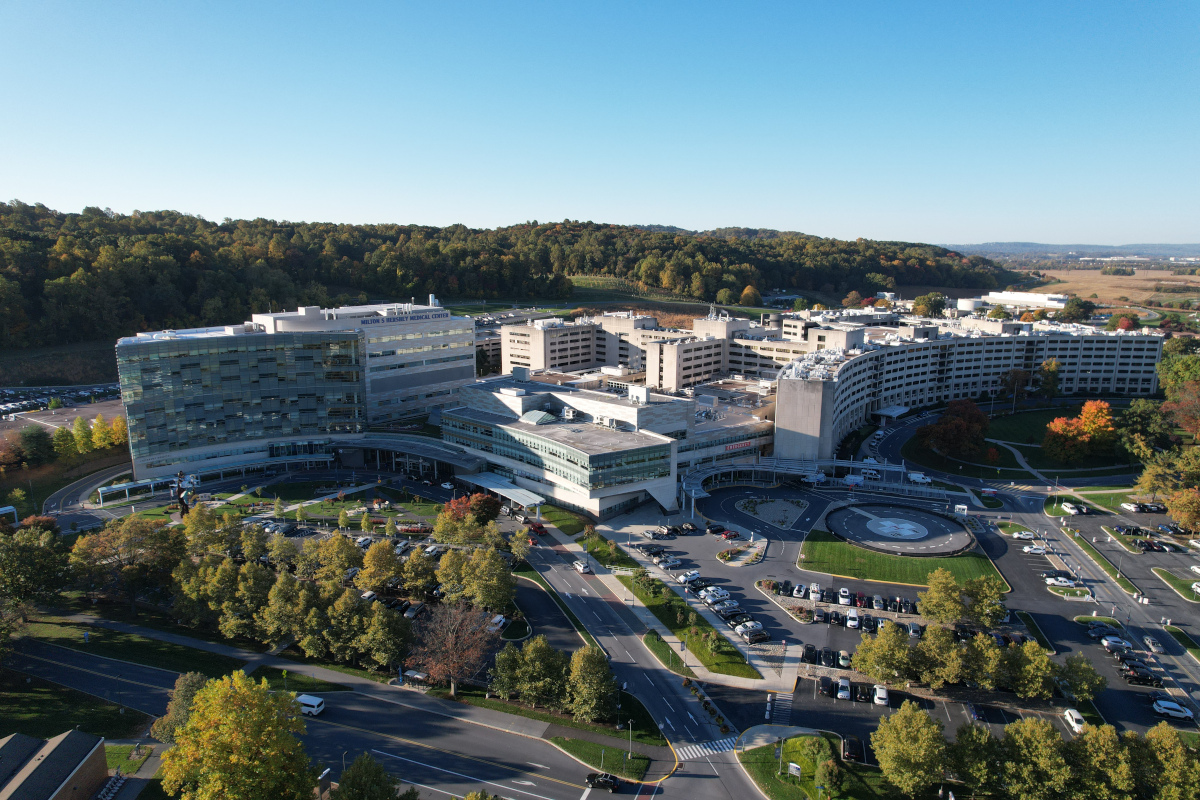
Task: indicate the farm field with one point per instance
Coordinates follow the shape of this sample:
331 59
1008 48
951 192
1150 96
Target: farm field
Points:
1137 288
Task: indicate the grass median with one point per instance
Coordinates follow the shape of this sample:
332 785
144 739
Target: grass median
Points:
1182 586
824 552
987 500
614 760
1185 641
133 648
666 655
1123 540
1035 630
606 552
122 756
1106 565
43 709
568 522
860 782
705 643
1084 619
1053 505
295 682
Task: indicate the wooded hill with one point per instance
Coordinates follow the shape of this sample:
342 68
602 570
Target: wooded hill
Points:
99 275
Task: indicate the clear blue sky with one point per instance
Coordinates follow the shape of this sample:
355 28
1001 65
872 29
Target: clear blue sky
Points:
946 122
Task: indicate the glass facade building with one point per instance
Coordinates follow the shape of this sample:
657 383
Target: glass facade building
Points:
210 391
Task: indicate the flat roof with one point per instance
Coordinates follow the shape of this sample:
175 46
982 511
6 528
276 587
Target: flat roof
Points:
585 437
533 386
504 487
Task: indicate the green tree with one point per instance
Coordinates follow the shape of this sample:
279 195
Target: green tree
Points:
910 749
1031 671
212 749
1081 677
487 580
38 445
277 508
128 556
64 443
179 707
800 304
282 552
543 676
830 775
364 523
1176 371
1101 765
387 637
506 672
419 571
750 297
451 574
101 433
82 434
283 615
312 639
518 545
726 297
337 555
33 566
1048 378
1174 769
938 657
591 687
365 779
1143 429
999 312
347 623
389 528
254 542
1034 764
343 520
380 565
974 756
942 601
929 305
982 660
301 515
884 658
984 596
1076 310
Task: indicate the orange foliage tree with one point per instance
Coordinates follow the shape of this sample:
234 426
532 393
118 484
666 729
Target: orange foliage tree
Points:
1071 440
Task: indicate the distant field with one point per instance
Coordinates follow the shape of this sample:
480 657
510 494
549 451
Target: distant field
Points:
1137 288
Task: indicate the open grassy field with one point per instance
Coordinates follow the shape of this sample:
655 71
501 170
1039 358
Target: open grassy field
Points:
1110 500
1027 426
131 647
1006 468
121 755
568 522
39 708
1136 288
824 552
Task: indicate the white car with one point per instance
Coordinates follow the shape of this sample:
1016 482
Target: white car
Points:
843 689
881 694
1195 568
843 596
1071 508
716 596
669 563
1073 719
1110 642
1026 535
1064 583
1165 708
814 591
1132 507
852 618
746 627
581 567
1153 645
688 577
1034 549
448 486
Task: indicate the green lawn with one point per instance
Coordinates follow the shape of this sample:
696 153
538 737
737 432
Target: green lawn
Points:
515 631
134 648
1182 586
861 782
608 759
1185 641
823 552
645 729
1053 505
1091 489
1011 527
1004 469
1122 539
707 644
568 522
118 755
1034 629
526 571
665 655
1105 564
1027 427
295 682
1062 591
1110 500
988 502
43 709
1084 619
294 653
606 552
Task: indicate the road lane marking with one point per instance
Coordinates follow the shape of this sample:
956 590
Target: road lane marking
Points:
465 776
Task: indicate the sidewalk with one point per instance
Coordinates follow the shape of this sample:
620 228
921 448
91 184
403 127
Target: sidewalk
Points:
772 680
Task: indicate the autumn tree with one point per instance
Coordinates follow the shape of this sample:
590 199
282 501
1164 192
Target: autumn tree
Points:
83 435
128 556
929 305
118 433
1090 435
179 706
283 614
982 660
1101 764
885 657
942 600
1184 507
380 566
750 297
337 555
419 571
1184 407
451 574
1034 763
487 581
213 748
101 433
1081 677
452 643
959 432
1048 378
910 749
852 300
64 443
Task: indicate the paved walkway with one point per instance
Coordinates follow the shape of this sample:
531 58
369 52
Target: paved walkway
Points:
1021 460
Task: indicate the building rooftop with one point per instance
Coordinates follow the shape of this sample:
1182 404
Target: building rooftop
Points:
45 771
586 437
533 386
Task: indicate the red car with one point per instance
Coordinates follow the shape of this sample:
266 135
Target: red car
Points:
730 535
532 541
538 527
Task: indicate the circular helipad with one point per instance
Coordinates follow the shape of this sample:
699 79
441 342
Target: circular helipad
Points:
899 530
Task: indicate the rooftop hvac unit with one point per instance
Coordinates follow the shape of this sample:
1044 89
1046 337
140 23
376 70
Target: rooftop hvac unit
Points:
568 413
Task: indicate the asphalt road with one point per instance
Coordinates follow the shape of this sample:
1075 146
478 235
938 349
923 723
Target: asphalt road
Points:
145 689
546 617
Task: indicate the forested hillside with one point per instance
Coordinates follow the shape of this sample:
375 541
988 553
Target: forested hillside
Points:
82 277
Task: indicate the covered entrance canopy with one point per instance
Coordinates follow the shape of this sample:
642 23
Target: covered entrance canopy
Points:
505 488
892 412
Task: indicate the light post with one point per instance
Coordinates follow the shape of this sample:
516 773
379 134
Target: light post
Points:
120 705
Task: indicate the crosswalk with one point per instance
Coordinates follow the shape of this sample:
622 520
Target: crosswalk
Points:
690 751
781 709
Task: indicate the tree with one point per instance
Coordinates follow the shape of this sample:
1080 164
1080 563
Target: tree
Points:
982 661
282 552
885 657
101 433
128 555
1184 407
389 528
1048 378
347 623
451 574
380 565
1101 764
82 434
542 679
929 305
910 749
1184 507
38 445
974 756
938 657
64 443
1143 429
1028 317
1034 765
800 304
518 545
959 432
1089 435
452 643
338 555
1081 677
312 634
253 542
387 637
283 615
419 571
506 672
343 520
725 297
750 297
1174 770
999 312
487 580
984 600
591 687
1076 310
830 775
1016 384
179 707
484 507
118 433
366 779
1123 322
1175 371
942 601
852 300
301 515
364 523
213 748
33 566
1030 670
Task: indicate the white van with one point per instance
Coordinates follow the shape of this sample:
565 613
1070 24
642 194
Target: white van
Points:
870 474
310 705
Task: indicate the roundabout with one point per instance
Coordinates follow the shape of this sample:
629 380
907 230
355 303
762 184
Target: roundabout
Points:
899 530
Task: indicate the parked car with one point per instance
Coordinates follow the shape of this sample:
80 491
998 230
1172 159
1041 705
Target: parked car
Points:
843 691
1073 719
651 549
827 687
801 591
689 576
1142 678
810 654
669 563
867 623
827 657
694 587
730 535
754 637
852 619
448 486
1110 642
881 695
835 618
1166 708
844 659
820 616
843 596
689 527
1034 549
852 749
1064 583
729 612
1153 644
746 627
1131 507
877 602
738 619
1026 535
581 567
973 712
914 630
